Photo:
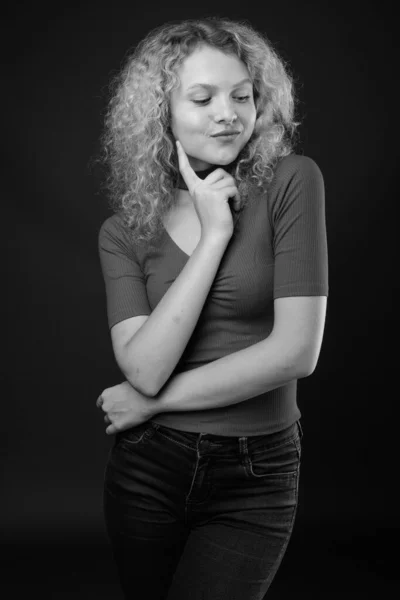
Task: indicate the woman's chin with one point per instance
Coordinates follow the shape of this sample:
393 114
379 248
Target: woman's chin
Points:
224 157
226 160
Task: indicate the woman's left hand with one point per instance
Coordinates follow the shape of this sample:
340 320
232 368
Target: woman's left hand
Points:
125 407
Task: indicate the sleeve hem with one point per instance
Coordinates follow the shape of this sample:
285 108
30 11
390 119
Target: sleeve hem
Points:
118 318
309 290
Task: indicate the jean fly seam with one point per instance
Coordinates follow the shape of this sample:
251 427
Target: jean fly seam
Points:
187 501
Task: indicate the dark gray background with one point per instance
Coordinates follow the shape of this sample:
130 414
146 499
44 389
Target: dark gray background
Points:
57 65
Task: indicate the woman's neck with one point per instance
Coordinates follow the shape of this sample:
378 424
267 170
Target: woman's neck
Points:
181 183
183 198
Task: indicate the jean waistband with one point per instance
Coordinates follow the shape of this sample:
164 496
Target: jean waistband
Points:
192 439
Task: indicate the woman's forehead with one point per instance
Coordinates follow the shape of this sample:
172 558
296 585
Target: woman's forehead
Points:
210 66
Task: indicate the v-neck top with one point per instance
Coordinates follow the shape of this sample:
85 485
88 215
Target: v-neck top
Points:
176 245
278 249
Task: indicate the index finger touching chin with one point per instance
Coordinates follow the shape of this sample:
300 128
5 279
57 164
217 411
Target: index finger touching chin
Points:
185 167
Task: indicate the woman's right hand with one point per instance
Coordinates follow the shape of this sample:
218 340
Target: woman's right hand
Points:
210 197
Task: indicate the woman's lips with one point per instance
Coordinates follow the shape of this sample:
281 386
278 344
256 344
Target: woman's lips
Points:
228 137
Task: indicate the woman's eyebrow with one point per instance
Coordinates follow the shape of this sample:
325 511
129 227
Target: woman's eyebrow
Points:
210 86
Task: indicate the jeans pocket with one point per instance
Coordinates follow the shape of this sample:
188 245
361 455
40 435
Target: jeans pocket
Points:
279 462
134 436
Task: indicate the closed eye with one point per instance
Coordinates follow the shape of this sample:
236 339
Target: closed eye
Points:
239 98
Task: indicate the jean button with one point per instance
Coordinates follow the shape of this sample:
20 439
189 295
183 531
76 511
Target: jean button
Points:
204 444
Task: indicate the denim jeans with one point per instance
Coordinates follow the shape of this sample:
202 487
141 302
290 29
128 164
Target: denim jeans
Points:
200 516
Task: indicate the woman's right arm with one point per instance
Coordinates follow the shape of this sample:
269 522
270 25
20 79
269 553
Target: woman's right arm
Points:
148 357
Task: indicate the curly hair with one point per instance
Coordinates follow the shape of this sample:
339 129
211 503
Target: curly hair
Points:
137 142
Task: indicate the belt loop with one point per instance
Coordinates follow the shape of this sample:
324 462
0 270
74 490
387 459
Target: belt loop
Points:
243 445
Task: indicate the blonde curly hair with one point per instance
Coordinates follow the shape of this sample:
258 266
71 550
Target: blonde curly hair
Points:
138 145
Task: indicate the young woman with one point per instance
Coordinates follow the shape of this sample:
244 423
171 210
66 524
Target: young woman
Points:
216 275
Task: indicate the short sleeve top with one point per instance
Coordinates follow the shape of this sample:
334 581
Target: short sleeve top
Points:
278 249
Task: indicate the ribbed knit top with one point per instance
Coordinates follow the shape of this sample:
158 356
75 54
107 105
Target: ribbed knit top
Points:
278 249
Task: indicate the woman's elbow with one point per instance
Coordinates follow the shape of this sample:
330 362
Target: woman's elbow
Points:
138 370
143 384
307 363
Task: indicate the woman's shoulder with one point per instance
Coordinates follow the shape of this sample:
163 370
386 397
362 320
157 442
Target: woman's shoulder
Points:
114 228
295 165
114 223
297 180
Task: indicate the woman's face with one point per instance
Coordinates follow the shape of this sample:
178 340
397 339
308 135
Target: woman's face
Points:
214 87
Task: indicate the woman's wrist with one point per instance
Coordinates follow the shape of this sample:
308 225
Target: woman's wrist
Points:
160 403
155 406
152 404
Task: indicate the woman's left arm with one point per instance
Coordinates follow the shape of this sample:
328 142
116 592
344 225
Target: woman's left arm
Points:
290 352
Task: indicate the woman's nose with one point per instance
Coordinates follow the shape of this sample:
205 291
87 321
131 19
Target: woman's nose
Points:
224 112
